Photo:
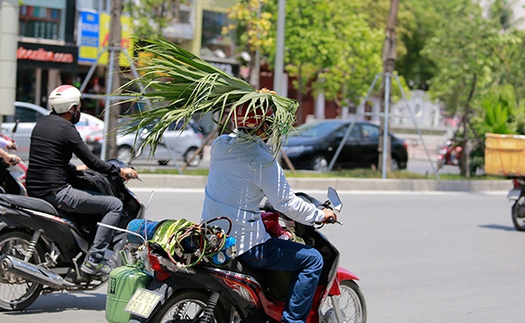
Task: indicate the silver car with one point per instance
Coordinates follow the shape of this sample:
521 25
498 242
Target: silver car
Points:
27 114
177 143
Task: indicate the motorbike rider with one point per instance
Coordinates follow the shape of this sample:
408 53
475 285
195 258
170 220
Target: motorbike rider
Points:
7 143
53 142
243 170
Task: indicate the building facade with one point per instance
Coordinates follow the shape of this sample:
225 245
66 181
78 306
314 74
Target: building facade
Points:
61 41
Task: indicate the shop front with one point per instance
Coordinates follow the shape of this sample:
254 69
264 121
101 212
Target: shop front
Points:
43 67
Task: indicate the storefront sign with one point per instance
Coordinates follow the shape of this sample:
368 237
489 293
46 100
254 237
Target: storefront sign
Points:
88 40
47 56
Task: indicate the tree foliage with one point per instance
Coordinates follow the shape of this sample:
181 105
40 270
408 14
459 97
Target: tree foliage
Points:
331 48
473 53
151 16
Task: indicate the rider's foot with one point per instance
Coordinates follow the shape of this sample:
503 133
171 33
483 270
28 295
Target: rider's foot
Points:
100 268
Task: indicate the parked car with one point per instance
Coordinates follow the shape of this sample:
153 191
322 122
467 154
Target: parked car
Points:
28 114
177 143
91 129
313 145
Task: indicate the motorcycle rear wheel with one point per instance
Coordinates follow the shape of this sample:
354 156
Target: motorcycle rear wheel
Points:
185 306
17 293
351 303
519 221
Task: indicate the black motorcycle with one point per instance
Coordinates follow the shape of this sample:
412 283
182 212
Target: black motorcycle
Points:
517 196
42 248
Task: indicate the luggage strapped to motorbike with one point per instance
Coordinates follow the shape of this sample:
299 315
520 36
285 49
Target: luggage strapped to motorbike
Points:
187 243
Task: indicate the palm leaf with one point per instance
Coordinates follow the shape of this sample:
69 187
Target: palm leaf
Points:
181 85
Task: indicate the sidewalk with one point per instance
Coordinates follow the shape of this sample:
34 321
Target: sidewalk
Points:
342 184
416 152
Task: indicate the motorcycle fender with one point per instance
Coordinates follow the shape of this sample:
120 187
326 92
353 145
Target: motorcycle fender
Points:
342 274
514 194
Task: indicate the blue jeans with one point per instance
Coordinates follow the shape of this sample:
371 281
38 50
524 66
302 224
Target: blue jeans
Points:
84 202
304 261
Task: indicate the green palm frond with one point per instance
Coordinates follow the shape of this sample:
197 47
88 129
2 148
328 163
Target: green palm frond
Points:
180 85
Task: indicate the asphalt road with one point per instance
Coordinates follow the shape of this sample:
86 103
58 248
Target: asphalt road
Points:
421 257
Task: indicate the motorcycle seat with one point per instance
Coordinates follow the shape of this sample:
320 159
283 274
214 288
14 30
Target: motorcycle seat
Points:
31 203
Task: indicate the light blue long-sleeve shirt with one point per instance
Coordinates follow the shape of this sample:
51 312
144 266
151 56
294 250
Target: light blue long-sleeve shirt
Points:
241 173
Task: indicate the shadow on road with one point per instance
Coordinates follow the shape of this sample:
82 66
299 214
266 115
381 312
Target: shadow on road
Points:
60 302
498 226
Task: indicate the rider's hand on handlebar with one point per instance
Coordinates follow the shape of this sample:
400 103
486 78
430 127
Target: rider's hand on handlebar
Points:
12 159
11 145
128 173
329 216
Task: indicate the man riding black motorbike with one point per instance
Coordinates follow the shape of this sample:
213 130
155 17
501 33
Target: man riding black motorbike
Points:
53 142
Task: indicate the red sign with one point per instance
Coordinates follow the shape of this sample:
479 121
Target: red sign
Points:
32 55
44 55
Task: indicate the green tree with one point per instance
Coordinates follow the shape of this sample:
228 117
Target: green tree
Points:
468 50
330 47
497 111
252 25
463 50
151 16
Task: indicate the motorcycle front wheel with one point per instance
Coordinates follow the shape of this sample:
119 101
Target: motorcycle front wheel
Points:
17 293
518 216
350 304
185 306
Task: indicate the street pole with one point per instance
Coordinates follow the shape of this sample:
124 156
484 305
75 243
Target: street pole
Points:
279 52
113 80
389 56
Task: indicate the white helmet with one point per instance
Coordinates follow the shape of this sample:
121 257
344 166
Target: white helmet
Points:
63 98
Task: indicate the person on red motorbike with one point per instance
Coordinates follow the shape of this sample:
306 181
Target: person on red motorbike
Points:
54 140
243 170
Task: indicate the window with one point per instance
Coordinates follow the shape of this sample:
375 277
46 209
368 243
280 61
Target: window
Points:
214 43
370 131
39 22
355 134
23 114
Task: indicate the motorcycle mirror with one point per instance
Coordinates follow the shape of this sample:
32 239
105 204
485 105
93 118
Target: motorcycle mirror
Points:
15 127
334 198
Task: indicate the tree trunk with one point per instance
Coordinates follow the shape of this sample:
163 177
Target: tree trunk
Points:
465 155
389 56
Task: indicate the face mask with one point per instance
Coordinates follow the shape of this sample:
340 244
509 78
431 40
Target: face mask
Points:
76 116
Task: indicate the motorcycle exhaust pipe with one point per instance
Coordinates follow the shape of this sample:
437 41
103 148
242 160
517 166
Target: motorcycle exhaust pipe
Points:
33 272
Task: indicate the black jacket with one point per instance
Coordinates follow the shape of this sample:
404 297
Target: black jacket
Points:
54 140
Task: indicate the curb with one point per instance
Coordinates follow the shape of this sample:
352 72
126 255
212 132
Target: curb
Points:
342 184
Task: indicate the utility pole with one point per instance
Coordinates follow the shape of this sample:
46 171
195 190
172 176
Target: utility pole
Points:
113 78
279 52
389 57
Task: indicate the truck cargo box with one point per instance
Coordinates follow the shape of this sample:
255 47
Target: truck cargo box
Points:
505 155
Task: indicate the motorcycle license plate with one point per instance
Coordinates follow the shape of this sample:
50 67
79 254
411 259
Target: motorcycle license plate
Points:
514 194
142 302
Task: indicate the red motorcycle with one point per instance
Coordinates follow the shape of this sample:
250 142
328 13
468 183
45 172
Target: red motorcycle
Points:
12 176
222 289
449 154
